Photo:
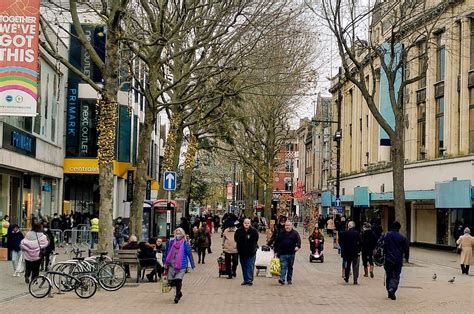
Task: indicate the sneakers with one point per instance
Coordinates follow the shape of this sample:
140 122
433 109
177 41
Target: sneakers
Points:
346 279
281 282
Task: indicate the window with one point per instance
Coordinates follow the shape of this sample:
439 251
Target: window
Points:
422 63
471 120
440 59
440 127
472 45
289 165
421 130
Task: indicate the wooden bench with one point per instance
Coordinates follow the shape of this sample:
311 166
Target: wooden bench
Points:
130 257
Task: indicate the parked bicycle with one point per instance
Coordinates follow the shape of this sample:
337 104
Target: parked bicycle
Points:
85 286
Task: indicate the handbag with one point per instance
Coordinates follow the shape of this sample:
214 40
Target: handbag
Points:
459 249
43 251
165 285
275 266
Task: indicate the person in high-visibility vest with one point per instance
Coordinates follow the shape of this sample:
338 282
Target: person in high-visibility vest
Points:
94 230
4 224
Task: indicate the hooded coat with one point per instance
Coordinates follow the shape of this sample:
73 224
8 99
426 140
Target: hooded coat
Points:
31 245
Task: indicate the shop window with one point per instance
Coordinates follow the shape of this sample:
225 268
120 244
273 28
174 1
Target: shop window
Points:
289 165
440 127
421 130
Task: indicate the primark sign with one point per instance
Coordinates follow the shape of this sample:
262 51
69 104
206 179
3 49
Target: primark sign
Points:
18 141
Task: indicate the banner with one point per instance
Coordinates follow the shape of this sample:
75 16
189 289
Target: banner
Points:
19 31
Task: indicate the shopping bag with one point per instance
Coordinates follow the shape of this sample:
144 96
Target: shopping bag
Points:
275 266
3 254
21 264
165 285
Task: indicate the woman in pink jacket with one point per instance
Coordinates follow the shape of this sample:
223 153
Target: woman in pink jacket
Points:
31 246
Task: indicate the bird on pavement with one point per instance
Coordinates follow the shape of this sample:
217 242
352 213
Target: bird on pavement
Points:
434 276
452 280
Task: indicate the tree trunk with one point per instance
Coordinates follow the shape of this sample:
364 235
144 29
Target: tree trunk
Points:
269 193
107 123
398 164
143 159
189 163
248 197
172 149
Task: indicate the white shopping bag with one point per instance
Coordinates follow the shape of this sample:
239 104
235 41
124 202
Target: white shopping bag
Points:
21 264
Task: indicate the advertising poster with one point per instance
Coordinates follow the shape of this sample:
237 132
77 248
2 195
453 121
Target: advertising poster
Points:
19 31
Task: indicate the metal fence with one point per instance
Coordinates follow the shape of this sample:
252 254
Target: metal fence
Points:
68 236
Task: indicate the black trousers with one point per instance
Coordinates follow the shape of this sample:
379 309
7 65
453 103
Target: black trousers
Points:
392 279
231 258
354 261
32 268
367 259
202 253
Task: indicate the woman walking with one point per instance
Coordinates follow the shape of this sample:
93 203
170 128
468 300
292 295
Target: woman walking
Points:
229 247
13 241
368 245
465 243
178 254
31 246
203 242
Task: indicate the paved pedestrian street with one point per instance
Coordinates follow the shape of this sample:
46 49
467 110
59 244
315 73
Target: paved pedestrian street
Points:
316 288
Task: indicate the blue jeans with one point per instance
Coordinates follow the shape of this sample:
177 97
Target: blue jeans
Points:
95 238
286 261
247 265
392 276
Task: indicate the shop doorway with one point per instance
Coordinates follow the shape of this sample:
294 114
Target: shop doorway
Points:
14 206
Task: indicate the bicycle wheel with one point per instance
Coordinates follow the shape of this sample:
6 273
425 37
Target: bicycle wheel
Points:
67 283
111 276
86 287
40 287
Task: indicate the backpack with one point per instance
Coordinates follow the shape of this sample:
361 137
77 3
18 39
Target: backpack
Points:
379 253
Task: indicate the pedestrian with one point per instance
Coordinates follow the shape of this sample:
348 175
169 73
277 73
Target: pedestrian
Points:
49 249
229 246
350 250
178 254
13 242
287 244
277 229
94 231
368 245
246 238
395 248
217 223
459 231
4 225
119 227
184 224
31 246
330 227
147 258
306 226
466 243
56 222
203 242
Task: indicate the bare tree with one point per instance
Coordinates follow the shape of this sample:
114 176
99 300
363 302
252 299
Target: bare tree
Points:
110 13
395 30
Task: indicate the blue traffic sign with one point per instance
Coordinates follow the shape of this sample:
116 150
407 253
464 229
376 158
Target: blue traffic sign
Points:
338 202
169 181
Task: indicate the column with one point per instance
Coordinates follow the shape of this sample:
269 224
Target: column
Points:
450 89
465 67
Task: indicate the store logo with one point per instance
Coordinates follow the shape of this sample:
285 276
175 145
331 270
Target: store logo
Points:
9 98
19 99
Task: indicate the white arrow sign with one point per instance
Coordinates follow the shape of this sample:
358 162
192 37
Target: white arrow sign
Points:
169 181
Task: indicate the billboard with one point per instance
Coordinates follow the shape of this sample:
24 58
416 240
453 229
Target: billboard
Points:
19 31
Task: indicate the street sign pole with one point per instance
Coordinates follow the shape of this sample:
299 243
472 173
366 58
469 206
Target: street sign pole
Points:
168 214
169 184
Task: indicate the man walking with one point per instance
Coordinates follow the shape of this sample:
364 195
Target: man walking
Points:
94 231
395 247
247 239
350 249
287 243
230 250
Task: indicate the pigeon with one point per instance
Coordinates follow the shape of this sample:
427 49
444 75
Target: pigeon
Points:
452 280
434 276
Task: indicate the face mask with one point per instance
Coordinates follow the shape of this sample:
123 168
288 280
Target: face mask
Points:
179 237
45 229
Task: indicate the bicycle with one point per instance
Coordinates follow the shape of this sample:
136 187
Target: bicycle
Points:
110 275
85 286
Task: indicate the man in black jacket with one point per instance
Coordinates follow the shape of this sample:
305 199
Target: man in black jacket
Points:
350 249
287 243
395 248
247 239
